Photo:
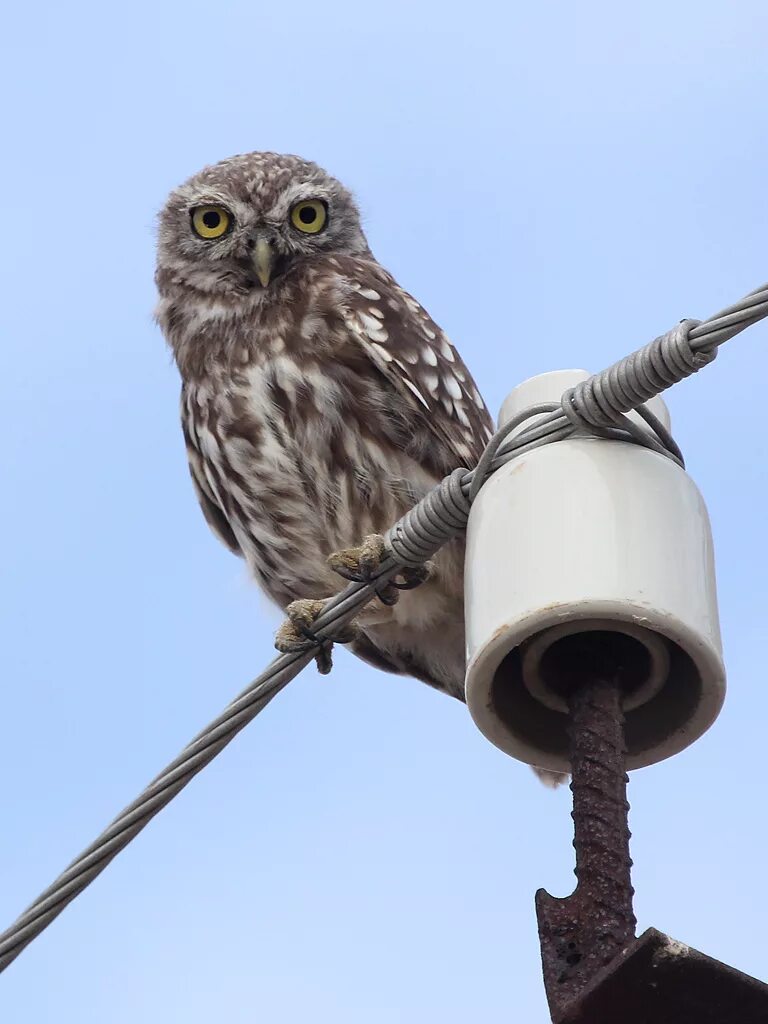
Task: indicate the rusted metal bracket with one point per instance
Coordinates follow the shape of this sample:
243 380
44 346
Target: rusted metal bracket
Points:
657 980
585 931
595 971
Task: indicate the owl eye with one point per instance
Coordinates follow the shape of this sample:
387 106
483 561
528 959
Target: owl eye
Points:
309 216
210 221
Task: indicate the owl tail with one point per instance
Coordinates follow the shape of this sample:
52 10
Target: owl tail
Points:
550 779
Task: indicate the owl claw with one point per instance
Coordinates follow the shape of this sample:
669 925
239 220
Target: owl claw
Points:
412 576
360 565
295 634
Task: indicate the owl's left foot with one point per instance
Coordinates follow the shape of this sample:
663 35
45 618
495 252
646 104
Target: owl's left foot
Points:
361 564
296 635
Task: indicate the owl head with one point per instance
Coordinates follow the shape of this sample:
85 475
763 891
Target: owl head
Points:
239 226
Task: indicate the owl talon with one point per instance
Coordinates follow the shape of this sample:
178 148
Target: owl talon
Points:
361 563
413 576
372 553
389 594
301 616
295 634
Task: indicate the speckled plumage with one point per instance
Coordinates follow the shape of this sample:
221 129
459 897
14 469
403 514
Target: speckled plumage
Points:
318 408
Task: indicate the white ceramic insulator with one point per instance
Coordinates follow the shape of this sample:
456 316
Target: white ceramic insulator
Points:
594 536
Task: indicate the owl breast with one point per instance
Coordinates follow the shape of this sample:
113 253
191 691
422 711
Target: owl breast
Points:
304 457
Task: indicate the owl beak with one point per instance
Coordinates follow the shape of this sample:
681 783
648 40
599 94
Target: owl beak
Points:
263 259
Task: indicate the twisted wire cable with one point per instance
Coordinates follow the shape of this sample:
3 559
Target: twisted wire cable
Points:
597 406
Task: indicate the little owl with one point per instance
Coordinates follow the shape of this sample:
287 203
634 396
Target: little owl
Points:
319 400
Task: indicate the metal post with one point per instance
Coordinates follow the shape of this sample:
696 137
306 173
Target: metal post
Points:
584 932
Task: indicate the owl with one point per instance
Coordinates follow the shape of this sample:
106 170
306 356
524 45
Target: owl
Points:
319 400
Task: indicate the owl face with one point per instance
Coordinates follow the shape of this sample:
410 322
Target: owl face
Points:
240 226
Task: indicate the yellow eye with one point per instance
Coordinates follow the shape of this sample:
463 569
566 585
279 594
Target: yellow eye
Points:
309 216
210 221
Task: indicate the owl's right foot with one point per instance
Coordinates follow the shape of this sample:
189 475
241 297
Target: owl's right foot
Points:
296 634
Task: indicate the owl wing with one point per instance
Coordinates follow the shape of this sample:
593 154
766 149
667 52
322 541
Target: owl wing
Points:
206 496
417 358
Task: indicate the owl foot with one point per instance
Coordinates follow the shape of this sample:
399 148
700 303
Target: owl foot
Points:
295 634
360 565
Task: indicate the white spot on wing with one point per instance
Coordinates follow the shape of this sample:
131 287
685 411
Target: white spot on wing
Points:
452 385
382 352
446 350
428 355
461 416
369 293
429 332
431 380
373 327
416 392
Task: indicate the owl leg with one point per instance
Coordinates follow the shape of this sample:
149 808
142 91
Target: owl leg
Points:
361 564
296 635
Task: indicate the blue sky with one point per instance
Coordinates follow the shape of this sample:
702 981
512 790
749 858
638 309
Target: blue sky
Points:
557 184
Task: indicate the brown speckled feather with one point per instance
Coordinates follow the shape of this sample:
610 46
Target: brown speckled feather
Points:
409 348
